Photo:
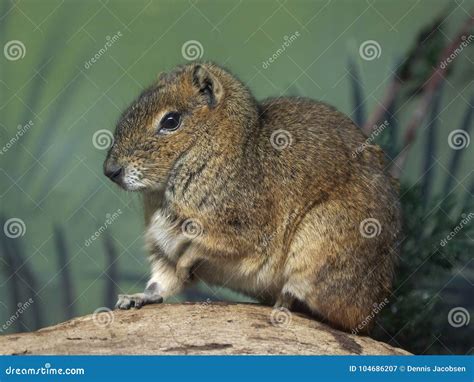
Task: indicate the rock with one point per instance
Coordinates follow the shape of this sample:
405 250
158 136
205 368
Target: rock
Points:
193 328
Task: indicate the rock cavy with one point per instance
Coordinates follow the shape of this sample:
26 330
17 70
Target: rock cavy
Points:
283 200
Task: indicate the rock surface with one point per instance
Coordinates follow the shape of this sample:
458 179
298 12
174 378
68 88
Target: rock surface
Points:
193 328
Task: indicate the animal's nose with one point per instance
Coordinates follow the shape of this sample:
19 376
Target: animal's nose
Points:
113 171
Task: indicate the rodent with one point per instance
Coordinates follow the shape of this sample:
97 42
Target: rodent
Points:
266 198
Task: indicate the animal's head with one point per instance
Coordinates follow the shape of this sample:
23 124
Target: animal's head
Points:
194 106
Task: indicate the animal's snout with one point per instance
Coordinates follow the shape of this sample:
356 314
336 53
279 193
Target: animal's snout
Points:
113 171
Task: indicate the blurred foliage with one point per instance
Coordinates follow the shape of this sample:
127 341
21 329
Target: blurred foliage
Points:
434 274
416 319
423 56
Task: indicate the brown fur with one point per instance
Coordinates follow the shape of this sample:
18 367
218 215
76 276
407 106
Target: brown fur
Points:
281 225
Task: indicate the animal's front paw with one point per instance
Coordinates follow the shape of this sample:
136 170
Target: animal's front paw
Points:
137 300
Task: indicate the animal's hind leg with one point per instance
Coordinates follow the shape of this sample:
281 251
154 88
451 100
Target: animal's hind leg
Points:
337 273
284 300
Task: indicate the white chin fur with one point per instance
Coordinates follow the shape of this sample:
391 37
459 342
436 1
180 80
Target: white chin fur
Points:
133 186
136 185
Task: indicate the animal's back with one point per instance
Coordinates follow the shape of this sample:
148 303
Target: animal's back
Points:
314 152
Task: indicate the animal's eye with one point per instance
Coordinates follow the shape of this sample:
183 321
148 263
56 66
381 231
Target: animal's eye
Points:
170 122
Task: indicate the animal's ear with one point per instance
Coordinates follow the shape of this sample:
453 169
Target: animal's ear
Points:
208 84
161 76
